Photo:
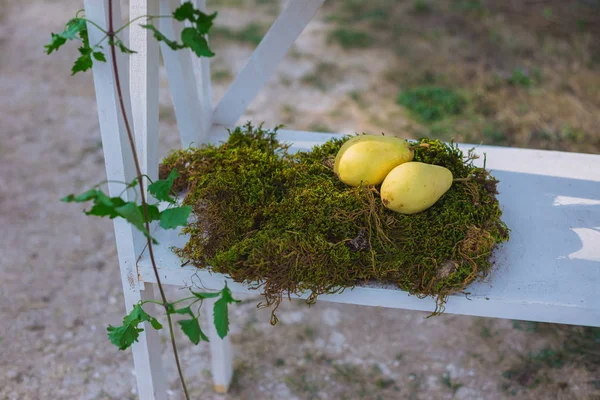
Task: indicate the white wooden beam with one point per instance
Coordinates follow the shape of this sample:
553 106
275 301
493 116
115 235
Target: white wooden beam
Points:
182 81
143 85
203 79
120 167
264 60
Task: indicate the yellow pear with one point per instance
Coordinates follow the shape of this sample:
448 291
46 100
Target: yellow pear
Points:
369 158
414 186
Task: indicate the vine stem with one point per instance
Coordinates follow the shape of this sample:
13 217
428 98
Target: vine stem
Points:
111 34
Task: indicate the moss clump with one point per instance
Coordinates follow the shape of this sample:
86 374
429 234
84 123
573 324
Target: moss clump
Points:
285 224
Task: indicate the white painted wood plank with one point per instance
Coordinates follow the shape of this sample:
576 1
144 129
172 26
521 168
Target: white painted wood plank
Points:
143 84
264 60
221 354
120 167
182 81
548 271
203 79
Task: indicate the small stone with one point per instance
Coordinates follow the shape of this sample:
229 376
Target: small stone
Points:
331 316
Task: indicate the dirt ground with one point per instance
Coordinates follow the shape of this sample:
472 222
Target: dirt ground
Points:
59 280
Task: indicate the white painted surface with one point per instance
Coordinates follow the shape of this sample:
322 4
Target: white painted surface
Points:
264 60
202 73
120 167
548 271
221 354
182 80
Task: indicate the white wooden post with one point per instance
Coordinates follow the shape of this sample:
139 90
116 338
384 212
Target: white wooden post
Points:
182 81
202 73
220 352
120 167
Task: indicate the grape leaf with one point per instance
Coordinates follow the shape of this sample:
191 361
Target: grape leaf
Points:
171 218
161 188
123 336
204 22
185 11
132 213
220 314
191 328
195 40
102 209
84 61
153 212
162 38
73 28
56 41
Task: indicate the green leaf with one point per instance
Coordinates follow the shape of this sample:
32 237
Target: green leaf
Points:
85 196
123 336
73 28
195 40
153 212
171 218
98 55
161 188
191 328
204 22
220 313
84 62
205 295
185 11
183 311
162 38
131 212
102 209
56 41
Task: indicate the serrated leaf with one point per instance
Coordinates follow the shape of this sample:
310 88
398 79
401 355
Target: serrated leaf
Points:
102 209
161 188
153 212
123 336
220 312
221 317
206 295
162 38
171 218
136 315
85 196
204 21
195 40
98 55
191 328
84 62
56 41
73 28
185 11
131 212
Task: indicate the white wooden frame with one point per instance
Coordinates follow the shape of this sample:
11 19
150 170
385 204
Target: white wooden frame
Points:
548 271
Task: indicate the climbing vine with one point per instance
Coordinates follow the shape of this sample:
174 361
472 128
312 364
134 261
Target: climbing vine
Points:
140 215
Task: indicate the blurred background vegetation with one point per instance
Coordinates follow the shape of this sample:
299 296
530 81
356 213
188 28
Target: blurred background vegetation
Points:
511 73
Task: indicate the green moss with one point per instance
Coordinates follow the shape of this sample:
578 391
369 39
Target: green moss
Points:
284 223
432 103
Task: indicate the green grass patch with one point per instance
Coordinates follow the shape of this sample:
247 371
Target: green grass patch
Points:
350 38
432 103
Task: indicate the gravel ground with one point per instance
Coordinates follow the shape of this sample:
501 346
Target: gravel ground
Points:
59 280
